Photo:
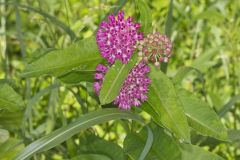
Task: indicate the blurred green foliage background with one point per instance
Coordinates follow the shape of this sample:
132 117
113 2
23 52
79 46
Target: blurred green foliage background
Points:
205 35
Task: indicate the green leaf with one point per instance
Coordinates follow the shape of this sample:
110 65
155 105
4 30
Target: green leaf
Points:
95 145
163 145
38 54
86 121
10 148
145 16
4 135
168 31
77 76
91 157
162 99
234 136
191 152
114 80
201 117
202 63
10 120
183 72
82 54
9 99
229 105
148 144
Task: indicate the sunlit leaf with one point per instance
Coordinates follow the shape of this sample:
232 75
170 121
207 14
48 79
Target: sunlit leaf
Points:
10 148
95 145
82 54
10 120
163 145
191 152
77 76
4 135
9 98
201 117
162 99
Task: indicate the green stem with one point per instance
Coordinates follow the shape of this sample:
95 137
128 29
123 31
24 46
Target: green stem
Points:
163 67
22 46
168 32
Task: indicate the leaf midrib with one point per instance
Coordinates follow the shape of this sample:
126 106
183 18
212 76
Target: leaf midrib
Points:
168 111
113 84
202 124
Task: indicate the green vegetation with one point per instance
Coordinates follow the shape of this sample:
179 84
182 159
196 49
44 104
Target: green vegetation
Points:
48 56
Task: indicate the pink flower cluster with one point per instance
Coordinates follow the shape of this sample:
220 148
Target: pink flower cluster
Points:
117 37
134 88
101 70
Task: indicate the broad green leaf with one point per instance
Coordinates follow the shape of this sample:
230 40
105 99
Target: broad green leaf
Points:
114 80
229 105
91 157
163 146
37 54
10 120
145 16
62 134
9 99
95 145
77 76
201 117
190 152
11 83
216 100
82 54
163 100
4 135
234 136
10 148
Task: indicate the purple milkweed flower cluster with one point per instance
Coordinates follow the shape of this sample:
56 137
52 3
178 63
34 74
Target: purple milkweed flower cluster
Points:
155 48
101 70
134 88
117 37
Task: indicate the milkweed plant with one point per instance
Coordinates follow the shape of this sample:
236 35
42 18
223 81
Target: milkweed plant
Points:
119 78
